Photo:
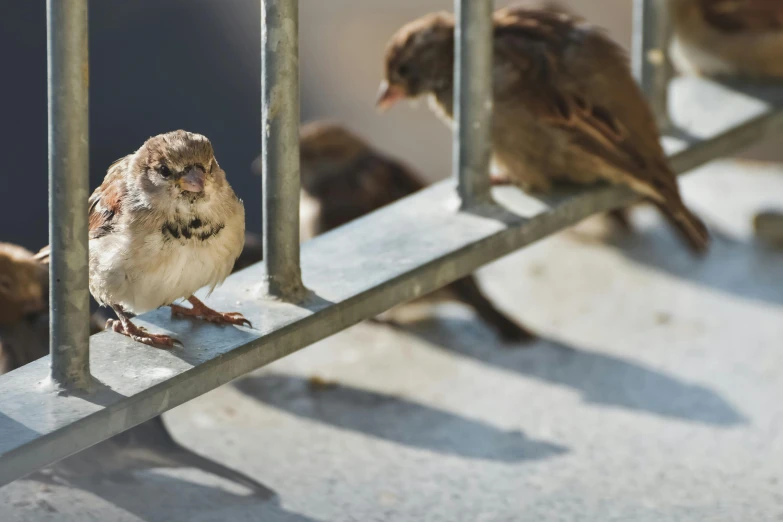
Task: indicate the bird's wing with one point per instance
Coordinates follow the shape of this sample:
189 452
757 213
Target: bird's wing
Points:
534 41
743 16
386 180
105 203
104 207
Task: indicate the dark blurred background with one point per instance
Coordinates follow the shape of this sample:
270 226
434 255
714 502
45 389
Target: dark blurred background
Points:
160 65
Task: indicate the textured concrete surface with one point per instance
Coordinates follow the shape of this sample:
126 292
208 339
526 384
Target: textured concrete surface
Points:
653 395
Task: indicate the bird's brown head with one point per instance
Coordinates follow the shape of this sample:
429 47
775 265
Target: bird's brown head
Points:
177 165
419 60
23 285
326 151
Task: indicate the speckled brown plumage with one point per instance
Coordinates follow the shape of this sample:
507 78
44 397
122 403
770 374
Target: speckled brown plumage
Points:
566 105
728 37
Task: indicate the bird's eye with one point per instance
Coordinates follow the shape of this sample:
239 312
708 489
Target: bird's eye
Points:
403 70
164 170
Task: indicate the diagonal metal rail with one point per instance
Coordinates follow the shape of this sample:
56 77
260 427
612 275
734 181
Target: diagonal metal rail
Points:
354 274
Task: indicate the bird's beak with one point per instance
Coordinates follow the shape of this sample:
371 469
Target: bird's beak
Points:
193 180
388 95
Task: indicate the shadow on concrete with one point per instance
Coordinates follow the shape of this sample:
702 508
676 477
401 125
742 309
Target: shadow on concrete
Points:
395 419
745 269
155 497
599 378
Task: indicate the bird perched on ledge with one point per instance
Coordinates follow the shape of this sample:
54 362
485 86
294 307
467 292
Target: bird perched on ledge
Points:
24 338
728 37
343 178
566 107
164 223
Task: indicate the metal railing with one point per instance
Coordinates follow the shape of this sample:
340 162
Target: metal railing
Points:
353 273
280 148
69 179
652 35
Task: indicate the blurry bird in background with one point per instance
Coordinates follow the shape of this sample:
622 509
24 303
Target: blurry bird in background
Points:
729 38
24 325
566 105
24 338
732 39
343 179
768 227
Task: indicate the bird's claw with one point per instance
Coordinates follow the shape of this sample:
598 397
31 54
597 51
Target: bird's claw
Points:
212 316
227 318
140 335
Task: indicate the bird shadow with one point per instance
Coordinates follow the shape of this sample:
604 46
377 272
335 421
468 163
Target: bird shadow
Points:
155 497
599 378
745 269
395 419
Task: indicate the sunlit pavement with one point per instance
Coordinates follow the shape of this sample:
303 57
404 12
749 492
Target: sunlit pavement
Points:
654 394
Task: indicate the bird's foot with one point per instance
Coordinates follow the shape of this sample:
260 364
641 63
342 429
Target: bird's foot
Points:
140 335
204 312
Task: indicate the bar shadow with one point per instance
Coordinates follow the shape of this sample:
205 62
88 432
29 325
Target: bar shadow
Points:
395 419
157 497
100 394
12 430
599 378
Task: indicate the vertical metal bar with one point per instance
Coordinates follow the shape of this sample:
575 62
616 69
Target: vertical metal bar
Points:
280 147
652 34
69 306
472 99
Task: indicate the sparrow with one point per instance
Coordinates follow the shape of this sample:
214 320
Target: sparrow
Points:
566 107
24 338
344 178
728 37
768 227
164 223
23 302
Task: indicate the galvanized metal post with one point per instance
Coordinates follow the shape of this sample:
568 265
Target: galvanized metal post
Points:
472 99
68 74
280 147
652 35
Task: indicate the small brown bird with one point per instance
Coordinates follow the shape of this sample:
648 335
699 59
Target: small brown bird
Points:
728 37
343 178
768 227
566 107
23 301
23 284
164 223
24 338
